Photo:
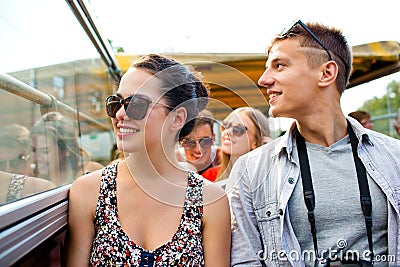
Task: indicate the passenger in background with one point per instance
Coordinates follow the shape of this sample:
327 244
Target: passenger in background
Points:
145 210
15 150
15 165
14 186
57 155
363 117
244 129
115 154
198 148
396 122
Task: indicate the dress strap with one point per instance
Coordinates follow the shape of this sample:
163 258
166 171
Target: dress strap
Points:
108 190
16 186
194 195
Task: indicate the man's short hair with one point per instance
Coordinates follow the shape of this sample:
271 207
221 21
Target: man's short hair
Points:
205 117
334 41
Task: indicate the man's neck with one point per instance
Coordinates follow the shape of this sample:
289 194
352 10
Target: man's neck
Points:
323 130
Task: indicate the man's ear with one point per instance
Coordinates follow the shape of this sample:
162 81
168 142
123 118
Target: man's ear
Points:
178 118
328 74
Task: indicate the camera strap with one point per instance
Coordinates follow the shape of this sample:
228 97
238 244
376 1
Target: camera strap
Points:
309 196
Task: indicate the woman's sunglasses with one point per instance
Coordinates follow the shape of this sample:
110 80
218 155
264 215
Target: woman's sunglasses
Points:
237 130
135 106
190 144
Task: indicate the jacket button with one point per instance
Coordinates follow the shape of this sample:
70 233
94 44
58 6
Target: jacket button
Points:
291 180
268 213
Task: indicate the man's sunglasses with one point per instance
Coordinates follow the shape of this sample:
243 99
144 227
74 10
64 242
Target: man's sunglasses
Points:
13 163
237 130
135 106
190 144
287 30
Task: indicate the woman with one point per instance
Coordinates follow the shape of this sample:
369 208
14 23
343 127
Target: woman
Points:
15 165
57 154
150 212
244 129
15 149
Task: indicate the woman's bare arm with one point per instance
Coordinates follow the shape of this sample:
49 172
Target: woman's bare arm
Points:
217 227
82 207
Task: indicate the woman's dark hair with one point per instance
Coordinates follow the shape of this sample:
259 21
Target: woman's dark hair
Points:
179 86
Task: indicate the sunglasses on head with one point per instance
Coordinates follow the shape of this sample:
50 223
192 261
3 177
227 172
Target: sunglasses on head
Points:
237 130
135 106
190 144
13 163
287 30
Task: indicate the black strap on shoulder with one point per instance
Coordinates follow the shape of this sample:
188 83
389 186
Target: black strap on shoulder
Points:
365 196
308 191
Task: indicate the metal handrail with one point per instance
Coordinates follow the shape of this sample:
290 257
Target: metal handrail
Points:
47 102
102 45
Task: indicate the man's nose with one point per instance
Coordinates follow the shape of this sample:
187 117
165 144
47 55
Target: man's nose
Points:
265 80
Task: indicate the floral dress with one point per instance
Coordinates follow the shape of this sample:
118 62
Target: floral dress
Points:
112 246
16 187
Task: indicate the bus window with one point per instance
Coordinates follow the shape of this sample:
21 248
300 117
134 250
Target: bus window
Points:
42 89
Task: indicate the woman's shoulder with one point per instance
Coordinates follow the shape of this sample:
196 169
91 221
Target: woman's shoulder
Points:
212 192
91 166
88 182
215 201
84 193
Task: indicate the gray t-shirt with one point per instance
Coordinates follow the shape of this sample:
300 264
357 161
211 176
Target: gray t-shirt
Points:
339 218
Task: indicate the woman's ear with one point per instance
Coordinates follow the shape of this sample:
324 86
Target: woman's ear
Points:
178 117
253 145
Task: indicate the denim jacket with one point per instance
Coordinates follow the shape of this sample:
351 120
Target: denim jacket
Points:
262 181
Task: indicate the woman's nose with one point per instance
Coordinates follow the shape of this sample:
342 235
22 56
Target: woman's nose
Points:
121 113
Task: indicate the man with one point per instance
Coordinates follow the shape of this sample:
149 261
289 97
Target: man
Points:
363 117
307 70
198 147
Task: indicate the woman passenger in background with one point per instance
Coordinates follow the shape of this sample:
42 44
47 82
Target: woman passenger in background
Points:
363 117
145 210
57 155
15 165
243 130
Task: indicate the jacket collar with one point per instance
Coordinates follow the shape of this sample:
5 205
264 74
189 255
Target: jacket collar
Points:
286 141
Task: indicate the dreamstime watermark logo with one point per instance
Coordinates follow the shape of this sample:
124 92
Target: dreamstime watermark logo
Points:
331 254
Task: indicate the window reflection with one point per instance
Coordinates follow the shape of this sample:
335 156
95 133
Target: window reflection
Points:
16 165
57 155
51 54
15 155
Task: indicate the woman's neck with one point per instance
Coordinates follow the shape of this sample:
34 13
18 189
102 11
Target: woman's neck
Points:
155 165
